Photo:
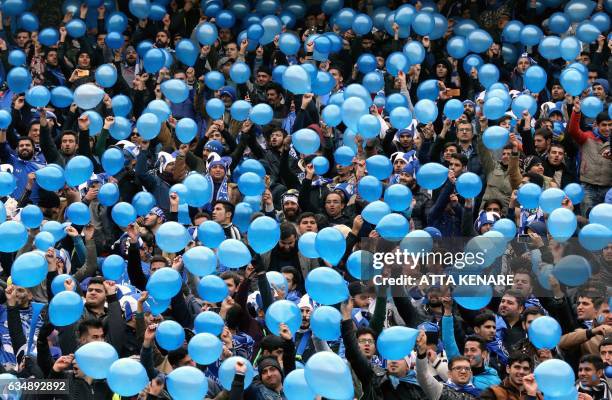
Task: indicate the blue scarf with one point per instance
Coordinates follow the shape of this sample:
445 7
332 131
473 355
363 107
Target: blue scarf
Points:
496 346
468 388
316 180
599 135
409 378
56 72
222 193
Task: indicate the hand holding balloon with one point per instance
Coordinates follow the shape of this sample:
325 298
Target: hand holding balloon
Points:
347 309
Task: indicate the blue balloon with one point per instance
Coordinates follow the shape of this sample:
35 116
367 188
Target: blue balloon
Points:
233 254
558 23
42 240
261 114
494 108
57 284
495 137
175 90
31 216
200 260
529 195
325 323
225 19
574 192
425 111
369 126
78 213
398 197
116 22
213 289
473 297
453 109
323 84
17 58
227 371
479 41
373 81
428 90
440 26
114 40
214 80
330 7
240 110
591 106
457 47
550 199
121 104
29 269
573 81
255 32
113 267
397 61
95 358
379 166
366 63
601 214
154 60
205 348
95 122
215 108
432 175
488 74
148 125
112 160
169 335
65 308
172 237
561 224
396 342
140 8
601 21
572 270
531 35
240 72
550 48
88 96
362 24
369 188
127 377
554 377
283 311
264 234
56 229
328 375
164 284
464 27
344 156
28 21
569 48
296 80
108 194
242 216
7 183
289 43
307 245
468 185
306 141
186 130
5 119
187 52
19 79
251 184
512 31
48 37
123 214
209 322
352 109
78 170
472 61
594 237
423 23
544 332
393 227
295 386
321 165
61 96
587 32
535 78
326 286
507 228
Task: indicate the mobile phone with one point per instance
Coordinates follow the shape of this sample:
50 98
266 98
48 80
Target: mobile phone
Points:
524 238
82 73
453 92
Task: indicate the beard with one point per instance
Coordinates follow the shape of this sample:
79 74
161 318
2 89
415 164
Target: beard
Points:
26 155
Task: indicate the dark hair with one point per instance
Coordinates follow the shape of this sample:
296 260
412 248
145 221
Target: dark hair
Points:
148 238
607 341
449 144
544 132
517 295
29 139
231 275
491 201
602 116
483 317
364 330
201 214
481 342
159 259
455 359
557 144
229 207
306 214
287 229
593 359
69 133
524 271
533 310
85 325
593 295
175 356
96 280
234 317
520 358
289 269
461 157
535 178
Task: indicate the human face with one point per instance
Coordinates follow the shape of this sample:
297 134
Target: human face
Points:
231 50
231 286
287 245
219 214
522 65
588 375
474 353
517 371
606 354
52 58
397 367
522 282
25 150
406 141
272 96
455 166
399 165
333 205
68 145
465 133
162 38
441 71
306 312
157 266
557 92
337 76
537 168
486 330
460 373
84 60
22 38
290 209
493 207
604 313
23 297
225 35
585 309
555 156
592 77
271 377
509 307
92 335
263 78
276 139
505 157
96 295
151 220
307 224
362 300
448 152
131 57
290 281
217 172
367 345
540 144
604 127
34 133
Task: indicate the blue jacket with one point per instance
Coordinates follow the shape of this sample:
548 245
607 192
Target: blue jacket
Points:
483 380
21 169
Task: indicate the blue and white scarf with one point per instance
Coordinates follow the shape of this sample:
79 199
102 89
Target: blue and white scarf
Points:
222 193
497 346
468 388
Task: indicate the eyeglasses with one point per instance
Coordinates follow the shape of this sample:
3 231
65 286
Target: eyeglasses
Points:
461 369
366 341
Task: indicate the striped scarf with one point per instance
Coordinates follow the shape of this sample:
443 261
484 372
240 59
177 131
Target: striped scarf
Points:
468 388
601 391
222 193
